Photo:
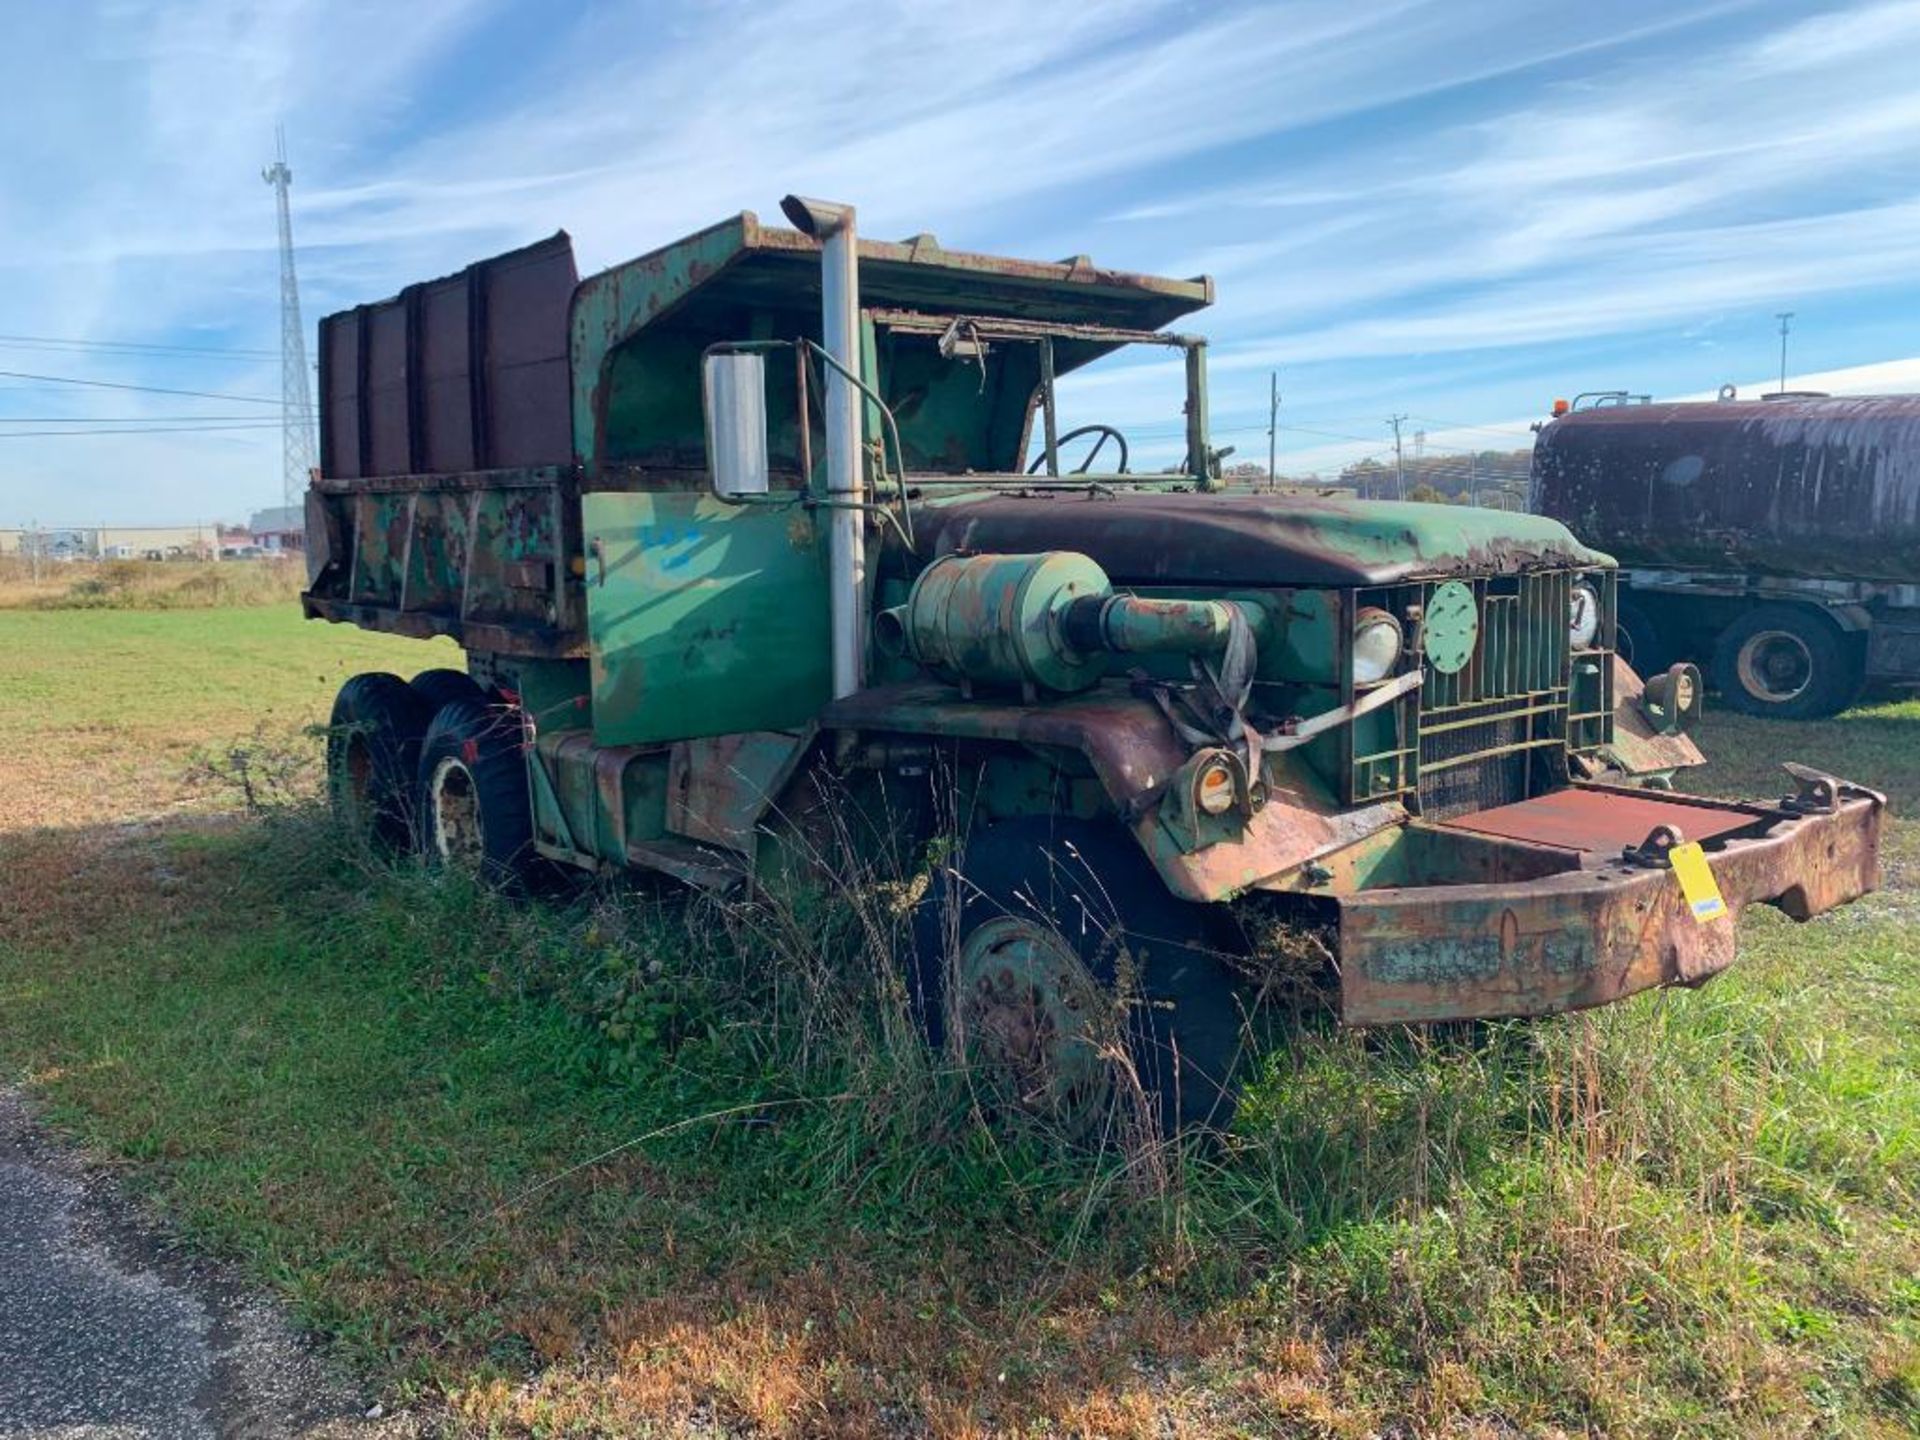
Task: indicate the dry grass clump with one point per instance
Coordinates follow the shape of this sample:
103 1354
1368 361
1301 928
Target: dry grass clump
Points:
151 584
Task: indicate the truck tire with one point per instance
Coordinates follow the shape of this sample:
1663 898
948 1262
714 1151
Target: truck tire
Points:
475 812
440 688
1787 662
1639 640
373 748
1052 958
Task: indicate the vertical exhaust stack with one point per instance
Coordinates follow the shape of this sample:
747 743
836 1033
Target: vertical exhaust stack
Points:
832 225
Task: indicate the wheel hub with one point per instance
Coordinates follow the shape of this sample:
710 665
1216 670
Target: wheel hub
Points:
1775 665
1036 1023
454 807
352 784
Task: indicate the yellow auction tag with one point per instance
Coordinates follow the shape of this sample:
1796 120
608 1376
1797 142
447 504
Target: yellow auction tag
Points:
1697 882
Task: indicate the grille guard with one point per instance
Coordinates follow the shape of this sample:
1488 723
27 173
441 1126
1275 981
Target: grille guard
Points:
1596 933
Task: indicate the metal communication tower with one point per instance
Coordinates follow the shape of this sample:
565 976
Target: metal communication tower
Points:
296 403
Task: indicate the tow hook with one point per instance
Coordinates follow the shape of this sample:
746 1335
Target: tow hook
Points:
1814 793
1656 851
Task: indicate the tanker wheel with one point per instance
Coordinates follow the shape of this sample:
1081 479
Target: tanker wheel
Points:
475 812
1786 662
440 688
373 746
1050 959
1638 639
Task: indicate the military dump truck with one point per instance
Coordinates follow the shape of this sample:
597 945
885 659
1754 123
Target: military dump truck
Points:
775 527
1776 541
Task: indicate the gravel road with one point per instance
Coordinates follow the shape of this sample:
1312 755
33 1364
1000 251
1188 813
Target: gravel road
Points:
110 1332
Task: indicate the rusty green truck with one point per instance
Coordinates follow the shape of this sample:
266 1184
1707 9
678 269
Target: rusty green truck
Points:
773 520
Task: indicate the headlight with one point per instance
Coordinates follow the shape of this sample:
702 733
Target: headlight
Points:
1376 646
1583 617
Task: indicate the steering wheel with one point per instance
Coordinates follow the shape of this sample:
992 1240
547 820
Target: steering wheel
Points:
1105 432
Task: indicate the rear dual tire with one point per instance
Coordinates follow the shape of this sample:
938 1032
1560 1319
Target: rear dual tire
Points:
373 752
432 765
475 814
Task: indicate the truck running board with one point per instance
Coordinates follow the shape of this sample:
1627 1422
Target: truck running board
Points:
704 868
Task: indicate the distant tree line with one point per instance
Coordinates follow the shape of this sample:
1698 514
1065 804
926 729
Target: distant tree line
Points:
1494 478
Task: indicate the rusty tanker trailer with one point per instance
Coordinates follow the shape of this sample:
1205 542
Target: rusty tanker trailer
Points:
1777 541
776 538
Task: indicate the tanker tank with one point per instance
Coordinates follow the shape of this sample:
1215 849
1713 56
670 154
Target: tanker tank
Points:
1793 486
1777 540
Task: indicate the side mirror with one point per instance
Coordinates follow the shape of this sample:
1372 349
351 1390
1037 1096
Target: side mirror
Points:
735 387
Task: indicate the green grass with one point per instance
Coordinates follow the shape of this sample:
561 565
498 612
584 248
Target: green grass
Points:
1690 1213
102 709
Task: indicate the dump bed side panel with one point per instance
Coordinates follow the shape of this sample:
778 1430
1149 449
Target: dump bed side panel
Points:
448 502
467 372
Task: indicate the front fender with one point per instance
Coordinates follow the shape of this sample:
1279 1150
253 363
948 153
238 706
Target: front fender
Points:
1134 753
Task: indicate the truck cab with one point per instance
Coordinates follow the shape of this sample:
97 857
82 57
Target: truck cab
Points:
774 527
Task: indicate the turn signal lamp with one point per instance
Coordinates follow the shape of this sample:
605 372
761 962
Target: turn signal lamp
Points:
1213 788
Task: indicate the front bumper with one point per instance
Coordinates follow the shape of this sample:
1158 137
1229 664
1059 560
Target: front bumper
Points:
1595 933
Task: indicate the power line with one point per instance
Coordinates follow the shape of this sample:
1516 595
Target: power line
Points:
144 389
116 419
1476 429
126 347
155 430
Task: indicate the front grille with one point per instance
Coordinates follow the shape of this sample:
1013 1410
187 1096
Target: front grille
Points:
1522 650
1497 730
1473 768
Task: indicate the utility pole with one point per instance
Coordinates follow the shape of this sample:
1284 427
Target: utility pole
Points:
1399 463
1273 427
296 404
1785 317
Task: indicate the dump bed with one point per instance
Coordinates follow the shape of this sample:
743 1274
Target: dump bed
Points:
447 498
467 372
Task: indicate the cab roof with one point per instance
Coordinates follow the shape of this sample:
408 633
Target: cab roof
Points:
740 262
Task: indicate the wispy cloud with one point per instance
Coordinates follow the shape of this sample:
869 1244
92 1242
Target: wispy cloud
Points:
1409 205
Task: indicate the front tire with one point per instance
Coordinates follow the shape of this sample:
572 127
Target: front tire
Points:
475 812
1786 662
1052 960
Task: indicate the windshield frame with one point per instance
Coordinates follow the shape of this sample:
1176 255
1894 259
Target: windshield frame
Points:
1198 465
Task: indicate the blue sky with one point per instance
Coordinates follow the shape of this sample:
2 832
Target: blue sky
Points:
1455 212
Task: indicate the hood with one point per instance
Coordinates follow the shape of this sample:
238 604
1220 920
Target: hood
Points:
1190 538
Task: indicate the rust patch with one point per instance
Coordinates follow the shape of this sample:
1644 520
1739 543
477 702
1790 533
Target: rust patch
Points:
1604 821
1587 937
